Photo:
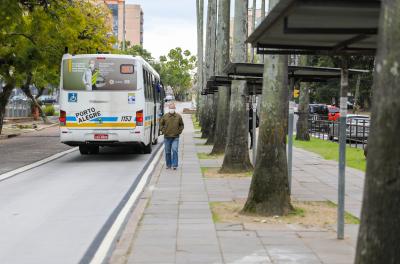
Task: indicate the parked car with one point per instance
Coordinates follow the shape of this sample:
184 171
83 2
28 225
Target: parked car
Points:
169 98
47 99
318 109
18 99
333 113
357 128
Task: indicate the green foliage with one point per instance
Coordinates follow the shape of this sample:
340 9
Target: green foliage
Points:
330 150
324 92
175 70
34 35
49 110
138 50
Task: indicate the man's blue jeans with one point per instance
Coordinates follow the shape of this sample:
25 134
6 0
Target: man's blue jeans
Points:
171 151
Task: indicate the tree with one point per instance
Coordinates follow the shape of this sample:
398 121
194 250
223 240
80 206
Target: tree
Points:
236 157
222 59
175 70
200 46
34 37
269 189
304 101
138 50
207 114
302 123
379 230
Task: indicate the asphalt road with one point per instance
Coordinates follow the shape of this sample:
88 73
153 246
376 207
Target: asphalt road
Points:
28 148
52 213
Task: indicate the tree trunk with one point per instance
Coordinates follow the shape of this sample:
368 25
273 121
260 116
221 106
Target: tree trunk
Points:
221 133
4 96
27 91
236 157
302 122
200 15
378 239
213 119
269 190
208 115
205 126
222 59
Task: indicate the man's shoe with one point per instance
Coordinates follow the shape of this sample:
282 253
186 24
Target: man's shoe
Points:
174 168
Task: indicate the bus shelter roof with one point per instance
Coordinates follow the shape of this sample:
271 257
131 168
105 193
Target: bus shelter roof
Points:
252 73
327 27
300 73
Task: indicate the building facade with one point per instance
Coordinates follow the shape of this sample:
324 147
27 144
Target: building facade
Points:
134 20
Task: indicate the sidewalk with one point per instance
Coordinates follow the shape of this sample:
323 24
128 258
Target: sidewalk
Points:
177 225
20 126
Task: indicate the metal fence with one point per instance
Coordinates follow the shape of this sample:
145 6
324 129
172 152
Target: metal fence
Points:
18 109
357 130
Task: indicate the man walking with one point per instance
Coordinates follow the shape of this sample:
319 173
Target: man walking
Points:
171 126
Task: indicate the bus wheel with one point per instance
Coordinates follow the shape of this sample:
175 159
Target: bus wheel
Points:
155 142
147 148
84 150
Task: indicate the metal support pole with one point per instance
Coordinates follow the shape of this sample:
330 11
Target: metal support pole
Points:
254 106
290 134
123 29
344 86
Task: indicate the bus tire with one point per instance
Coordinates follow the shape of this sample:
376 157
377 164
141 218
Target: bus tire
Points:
94 150
84 150
147 148
155 142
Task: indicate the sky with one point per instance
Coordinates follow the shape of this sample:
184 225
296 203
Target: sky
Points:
172 23
168 24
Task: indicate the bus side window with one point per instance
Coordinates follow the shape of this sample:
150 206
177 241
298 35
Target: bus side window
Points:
144 83
149 87
153 96
156 90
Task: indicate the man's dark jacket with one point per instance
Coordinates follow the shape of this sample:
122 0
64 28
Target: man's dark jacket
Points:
171 125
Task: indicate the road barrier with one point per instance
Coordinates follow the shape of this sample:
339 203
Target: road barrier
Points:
357 130
18 109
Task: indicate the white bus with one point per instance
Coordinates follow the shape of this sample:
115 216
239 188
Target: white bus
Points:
108 100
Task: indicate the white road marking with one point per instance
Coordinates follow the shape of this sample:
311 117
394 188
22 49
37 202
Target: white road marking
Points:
105 246
12 173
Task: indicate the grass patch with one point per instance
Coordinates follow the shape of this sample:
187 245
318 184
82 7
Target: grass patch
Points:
298 212
348 218
330 150
215 216
351 219
203 155
213 172
196 122
309 214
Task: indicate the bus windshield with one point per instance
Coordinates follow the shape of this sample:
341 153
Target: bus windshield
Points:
99 74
